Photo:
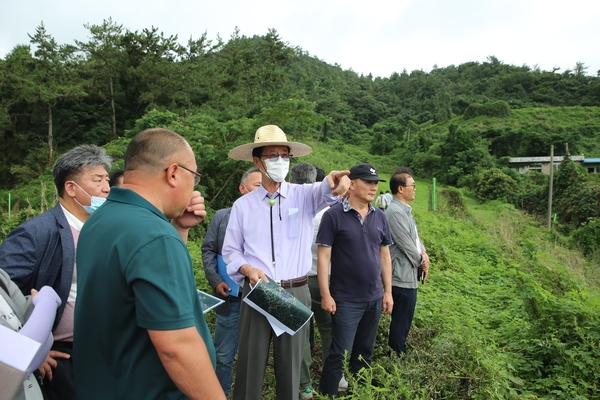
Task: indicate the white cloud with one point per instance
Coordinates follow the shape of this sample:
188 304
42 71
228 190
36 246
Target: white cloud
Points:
377 36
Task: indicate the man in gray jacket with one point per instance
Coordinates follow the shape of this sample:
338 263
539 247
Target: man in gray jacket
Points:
409 258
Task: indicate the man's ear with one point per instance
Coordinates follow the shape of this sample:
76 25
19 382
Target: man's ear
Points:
171 175
70 188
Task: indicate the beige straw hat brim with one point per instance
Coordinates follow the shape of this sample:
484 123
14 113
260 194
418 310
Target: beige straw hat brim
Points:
268 135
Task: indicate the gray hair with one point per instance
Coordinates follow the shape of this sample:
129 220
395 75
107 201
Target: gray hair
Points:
73 162
247 173
303 173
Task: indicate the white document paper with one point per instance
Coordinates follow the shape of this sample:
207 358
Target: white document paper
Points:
16 353
283 311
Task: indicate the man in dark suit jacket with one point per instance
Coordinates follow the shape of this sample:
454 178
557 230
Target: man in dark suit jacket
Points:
41 252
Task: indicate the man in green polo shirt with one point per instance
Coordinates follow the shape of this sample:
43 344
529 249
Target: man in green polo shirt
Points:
139 328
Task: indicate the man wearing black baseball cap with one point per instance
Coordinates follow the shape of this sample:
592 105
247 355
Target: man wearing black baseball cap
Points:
354 236
366 172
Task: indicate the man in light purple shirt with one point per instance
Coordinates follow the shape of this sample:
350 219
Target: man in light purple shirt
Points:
270 234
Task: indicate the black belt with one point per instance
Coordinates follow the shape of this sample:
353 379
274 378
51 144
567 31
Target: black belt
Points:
292 283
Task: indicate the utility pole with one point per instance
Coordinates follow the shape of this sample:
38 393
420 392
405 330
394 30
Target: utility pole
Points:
549 217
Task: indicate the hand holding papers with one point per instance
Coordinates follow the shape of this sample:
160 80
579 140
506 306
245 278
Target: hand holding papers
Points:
284 312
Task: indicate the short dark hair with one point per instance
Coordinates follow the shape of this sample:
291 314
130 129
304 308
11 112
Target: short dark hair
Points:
71 164
115 175
257 151
303 173
320 174
399 178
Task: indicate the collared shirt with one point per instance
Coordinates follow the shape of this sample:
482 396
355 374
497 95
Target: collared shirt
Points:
347 207
73 221
248 236
355 251
135 274
64 329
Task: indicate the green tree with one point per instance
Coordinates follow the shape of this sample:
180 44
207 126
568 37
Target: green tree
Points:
105 60
150 78
381 144
52 78
199 73
587 236
576 195
462 154
567 178
532 196
297 117
496 185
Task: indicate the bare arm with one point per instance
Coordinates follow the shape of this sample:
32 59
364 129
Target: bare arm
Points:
184 356
323 260
386 278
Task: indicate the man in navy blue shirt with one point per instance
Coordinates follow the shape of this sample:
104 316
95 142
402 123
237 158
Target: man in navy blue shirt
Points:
354 236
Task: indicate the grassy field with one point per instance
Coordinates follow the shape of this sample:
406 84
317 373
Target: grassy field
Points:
509 312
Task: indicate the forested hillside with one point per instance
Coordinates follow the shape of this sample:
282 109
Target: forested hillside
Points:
54 96
455 123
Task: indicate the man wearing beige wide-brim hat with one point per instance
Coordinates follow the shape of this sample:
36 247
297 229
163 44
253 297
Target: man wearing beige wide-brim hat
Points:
270 234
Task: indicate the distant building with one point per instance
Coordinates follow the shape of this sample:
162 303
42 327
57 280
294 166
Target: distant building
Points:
592 165
542 164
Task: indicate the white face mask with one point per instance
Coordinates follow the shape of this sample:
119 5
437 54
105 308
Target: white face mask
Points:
277 169
94 203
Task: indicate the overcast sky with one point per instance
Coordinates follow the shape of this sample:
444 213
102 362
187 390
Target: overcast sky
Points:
369 36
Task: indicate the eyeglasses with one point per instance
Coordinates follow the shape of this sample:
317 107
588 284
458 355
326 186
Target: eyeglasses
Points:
275 156
413 185
196 178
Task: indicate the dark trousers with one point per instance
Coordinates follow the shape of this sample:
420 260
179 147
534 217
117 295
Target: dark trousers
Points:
62 385
353 329
405 301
